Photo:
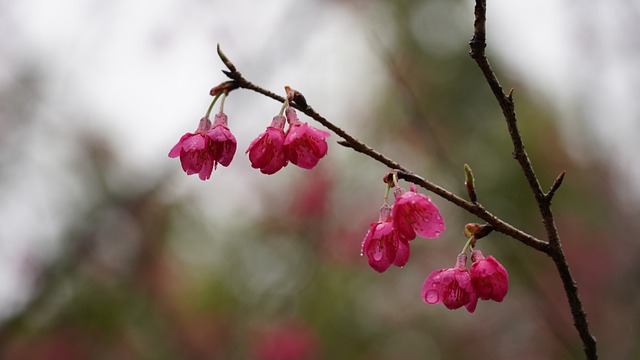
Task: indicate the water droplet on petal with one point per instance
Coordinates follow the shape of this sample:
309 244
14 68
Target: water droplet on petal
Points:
432 297
377 255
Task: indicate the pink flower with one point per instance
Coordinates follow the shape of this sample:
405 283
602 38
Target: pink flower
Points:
194 153
489 277
383 245
452 287
200 152
221 143
415 213
266 152
304 145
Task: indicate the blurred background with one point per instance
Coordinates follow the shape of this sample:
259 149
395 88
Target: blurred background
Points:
109 251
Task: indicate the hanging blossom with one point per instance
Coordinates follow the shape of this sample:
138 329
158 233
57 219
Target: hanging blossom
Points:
200 152
304 145
387 241
301 144
266 152
383 245
489 278
456 287
194 154
222 144
452 287
414 213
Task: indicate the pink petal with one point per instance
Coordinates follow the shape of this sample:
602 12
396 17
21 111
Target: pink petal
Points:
266 152
402 256
193 143
490 279
432 290
222 144
380 246
175 151
415 213
305 145
191 162
452 287
402 220
429 223
258 151
274 165
207 169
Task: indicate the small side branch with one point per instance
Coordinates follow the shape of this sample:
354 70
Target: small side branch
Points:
556 184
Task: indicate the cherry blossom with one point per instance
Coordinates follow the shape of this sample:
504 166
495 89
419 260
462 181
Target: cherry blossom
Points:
194 153
452 287
415 213
489 277
221 143
266 152
383 245
304 145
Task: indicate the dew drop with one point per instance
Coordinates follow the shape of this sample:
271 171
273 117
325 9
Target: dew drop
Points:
432 297
377 255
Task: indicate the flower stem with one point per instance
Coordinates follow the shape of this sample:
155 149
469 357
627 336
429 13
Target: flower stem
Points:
284 106
386 193
211 106
468 245
224 96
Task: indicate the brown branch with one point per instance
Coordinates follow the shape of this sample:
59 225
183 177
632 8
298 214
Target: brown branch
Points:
404 173
478 45
556 184
552 247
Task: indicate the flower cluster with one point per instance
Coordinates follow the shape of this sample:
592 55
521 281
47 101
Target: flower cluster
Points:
456 287
302 145
387 241
210 145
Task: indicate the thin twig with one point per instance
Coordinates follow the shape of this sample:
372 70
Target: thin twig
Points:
404 173
478 45
556 184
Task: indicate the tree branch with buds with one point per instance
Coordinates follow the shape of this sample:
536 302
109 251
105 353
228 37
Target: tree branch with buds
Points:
552 246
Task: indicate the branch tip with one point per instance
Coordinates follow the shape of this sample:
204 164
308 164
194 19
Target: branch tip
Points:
469 183
345 143
556 184
226 61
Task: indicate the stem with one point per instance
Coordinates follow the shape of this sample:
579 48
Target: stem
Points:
554 251
386 194
206 115
284 106
467 245
224 97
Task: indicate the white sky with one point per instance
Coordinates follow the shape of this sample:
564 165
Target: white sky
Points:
144 69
